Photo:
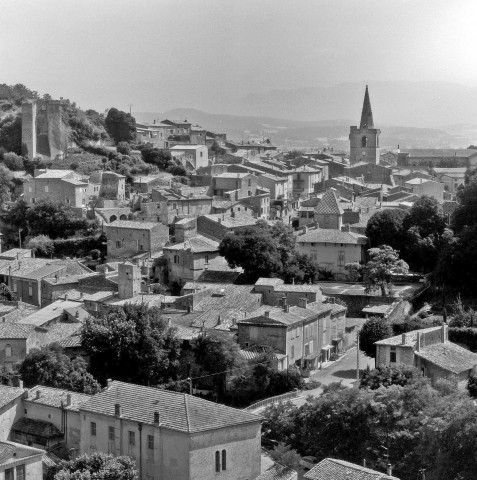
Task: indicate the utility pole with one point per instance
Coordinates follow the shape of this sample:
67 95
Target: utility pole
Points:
130 105
189 378
357 355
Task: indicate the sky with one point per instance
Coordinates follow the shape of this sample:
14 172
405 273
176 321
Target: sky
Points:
210 54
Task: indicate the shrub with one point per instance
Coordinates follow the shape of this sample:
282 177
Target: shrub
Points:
124 148
13 161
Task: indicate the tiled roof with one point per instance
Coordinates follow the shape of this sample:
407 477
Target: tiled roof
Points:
73 181
196 244
449 207
39 428
457 170
13 452
269 281
232 222
55 174
8 394
219 276
61 331
449 356
69 278
132 224
13 253
50 312
71 342
278 472
254 351
329 204
55 397
411 337
15 330
325 235
332 469
42 272
177 411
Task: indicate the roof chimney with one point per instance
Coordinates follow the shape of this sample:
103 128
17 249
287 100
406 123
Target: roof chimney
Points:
108 383
156 418
77 314
389 470
117 410
444 333
20 383
418 342
267 313
403 339
302 302
38 394
68 399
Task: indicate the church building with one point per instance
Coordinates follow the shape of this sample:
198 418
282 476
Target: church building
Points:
364 141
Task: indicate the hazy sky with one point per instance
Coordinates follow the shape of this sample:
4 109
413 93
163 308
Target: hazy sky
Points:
209 54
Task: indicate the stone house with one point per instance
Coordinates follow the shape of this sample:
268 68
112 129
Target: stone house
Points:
463 157
19 462
430 351
304 180
112 185
306 334
452 178
188 259
217 226
242 184
371 172
171 435
274 291
58 186
16 341
146 183
11 408
277 186
128 238
421 186
333 249
197 155
328 213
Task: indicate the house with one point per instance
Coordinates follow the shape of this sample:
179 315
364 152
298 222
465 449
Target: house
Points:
274 291
59 186
430 351
18 462
421 186
128 238
242 184
11 408
191 156
146 183
55 406
334 469
305 334
188 259
328 212
438 157
304 180
332 248
112 186
370 172
218 225
16 341
171 435
452 178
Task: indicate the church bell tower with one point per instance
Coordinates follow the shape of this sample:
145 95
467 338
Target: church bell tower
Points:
364 141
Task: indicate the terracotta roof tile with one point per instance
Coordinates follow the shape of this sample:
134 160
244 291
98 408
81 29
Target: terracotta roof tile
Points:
39 428
55 397
449 356
332 469
278 472
8 394
329 204
177 411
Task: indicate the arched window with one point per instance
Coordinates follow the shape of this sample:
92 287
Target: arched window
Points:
217 461
364 142
224 460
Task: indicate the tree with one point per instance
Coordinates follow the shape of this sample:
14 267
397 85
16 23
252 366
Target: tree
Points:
6 185
98 466
285 455
160 157
472 383
427 216
11 133
355 271
387 375
124 148
42 245
133 344
385 227
49 366
372 331
121 126
13 161
383 264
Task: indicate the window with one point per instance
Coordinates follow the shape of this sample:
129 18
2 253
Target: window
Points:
30 289
111 434
249 193
131 438
141 247
341 258
9 474
292 352
46 188
8 350
217 463
29 189
15 286
201 154
224 460
206 259
364 142
176 258
392 355
150 442
32 200
313 244
249 182
93 429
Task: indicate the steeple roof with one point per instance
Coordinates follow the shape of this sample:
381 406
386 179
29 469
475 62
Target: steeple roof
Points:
367 114
329 204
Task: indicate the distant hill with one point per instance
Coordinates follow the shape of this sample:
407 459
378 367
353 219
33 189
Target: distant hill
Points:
410 104
313 134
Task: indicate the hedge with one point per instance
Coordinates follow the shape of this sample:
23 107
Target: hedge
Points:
466 337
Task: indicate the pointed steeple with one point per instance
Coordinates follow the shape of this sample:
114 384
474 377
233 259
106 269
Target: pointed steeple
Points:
367 114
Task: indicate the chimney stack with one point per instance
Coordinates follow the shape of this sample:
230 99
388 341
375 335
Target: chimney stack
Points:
117 410
38 394
267 313
302 302
68 400
108 383
418 342
20 383
444 333
403 339
389 470
156 418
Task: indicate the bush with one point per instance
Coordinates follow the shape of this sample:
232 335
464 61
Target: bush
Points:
372 331
13 161
385 376
464 336
124 148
